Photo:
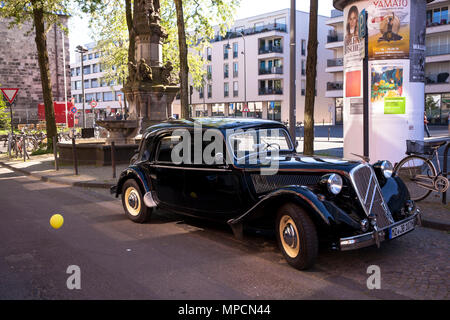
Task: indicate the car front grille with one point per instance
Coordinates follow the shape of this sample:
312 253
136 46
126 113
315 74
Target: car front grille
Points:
266 183
369 193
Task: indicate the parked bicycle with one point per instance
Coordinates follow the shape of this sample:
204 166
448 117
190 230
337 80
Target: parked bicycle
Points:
418 171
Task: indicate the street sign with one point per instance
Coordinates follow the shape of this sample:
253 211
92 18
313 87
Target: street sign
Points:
272 105
93 104
246 109
74 110
232 106
362 21
10 93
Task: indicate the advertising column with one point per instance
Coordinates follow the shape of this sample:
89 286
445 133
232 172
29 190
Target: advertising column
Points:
396 52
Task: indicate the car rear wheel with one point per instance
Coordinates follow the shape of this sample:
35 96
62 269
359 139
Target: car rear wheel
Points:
297 236
133 202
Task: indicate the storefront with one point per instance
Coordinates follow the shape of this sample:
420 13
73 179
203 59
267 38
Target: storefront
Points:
437 107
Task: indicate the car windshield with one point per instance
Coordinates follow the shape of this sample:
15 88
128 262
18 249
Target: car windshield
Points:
251 141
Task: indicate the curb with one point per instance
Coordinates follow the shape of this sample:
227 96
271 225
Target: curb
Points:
433 224
97 185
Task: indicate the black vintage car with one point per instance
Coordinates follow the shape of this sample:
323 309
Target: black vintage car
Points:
346 204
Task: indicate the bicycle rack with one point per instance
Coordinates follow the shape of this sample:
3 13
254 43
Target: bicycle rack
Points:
445 171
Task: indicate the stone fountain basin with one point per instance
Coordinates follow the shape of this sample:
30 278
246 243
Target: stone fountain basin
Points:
120 131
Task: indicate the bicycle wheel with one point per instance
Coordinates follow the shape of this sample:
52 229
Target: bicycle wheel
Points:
413 169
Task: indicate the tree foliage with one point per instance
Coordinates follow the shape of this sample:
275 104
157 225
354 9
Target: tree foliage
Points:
109 29
4 115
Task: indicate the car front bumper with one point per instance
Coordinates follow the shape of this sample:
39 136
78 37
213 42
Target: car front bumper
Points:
376 237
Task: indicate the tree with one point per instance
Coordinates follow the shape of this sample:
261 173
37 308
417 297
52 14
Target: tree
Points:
184 68
42 15
311 72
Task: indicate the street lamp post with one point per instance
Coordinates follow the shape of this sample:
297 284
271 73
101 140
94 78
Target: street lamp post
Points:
82 50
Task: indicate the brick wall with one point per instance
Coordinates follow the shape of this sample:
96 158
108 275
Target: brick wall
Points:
19 67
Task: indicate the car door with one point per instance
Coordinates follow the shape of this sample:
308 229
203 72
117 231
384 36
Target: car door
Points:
213 190
167 178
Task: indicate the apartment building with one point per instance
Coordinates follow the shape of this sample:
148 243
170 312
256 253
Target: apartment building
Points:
251 64
437 63
108 96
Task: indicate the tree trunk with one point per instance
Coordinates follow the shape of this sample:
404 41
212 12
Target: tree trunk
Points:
131 33
311 72
184 69
41 44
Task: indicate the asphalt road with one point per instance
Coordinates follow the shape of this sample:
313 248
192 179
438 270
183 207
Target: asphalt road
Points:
176 258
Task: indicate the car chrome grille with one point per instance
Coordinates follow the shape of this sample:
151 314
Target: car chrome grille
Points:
369 193
266 183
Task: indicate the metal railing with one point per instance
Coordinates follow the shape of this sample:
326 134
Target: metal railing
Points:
249 31
339 62
338 85
273 70
336 13
268 90
272 49
437 78
335 37
437 50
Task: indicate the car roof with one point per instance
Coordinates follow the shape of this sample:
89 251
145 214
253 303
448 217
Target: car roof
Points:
215 123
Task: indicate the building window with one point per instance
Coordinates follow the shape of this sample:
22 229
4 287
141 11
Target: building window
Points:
235 50
303 68
226 89
437 108
209 91
303 47
209 72
78 71
94 83
217 110
72 72
90 97
200 93
97 55
84 57
280 22
225 70
225 51
99 96
95 68
108 96
87 69
78 85
235 88
235 69
209 53
86 84
90 56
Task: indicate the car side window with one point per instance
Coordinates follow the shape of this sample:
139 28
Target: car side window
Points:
165 147
145 156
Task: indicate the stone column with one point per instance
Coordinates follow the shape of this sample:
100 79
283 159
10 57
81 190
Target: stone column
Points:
209 109
265 111
226 110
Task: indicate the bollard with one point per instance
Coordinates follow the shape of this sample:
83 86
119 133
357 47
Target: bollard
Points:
74 154
55 153
24 148
113 158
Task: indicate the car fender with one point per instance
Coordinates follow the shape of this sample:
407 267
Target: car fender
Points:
132 172
298 194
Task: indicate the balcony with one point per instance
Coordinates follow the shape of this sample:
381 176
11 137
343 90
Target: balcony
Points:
261 29
335 62
268 90
435 24
439 78
273 70
268 49
332 86
437 50
331 38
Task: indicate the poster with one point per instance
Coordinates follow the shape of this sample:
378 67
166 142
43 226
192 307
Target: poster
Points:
389 29
352 51
417 46
386 88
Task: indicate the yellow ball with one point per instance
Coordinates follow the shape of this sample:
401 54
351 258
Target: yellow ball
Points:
56 221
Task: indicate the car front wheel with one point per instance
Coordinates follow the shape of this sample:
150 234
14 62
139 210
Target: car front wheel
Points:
297 236
133 202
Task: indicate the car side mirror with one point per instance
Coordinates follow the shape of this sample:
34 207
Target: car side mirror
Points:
219 158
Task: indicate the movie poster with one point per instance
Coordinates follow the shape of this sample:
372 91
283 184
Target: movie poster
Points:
417 47
386 89
352 49
389 29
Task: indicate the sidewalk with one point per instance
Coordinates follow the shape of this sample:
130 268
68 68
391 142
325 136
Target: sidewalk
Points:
43 167
435 215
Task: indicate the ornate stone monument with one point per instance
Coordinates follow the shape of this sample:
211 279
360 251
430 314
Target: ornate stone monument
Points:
150 87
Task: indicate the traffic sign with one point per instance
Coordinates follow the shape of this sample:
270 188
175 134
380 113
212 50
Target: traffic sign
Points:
232 106
246 109
272 105
74 110
10 93
93 103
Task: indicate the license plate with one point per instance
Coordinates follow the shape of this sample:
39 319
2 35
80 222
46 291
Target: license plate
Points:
401 229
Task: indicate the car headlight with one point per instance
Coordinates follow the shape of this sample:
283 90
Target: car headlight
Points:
334 183
387 168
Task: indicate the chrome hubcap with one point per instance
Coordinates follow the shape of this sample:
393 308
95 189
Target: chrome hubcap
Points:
132 200
290 236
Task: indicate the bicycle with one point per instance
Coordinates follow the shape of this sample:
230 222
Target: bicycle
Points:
418 171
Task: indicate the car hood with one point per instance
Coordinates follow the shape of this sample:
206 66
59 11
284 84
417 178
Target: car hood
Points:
293 162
